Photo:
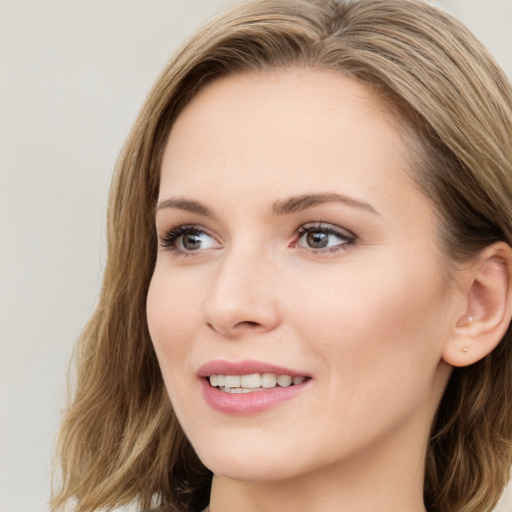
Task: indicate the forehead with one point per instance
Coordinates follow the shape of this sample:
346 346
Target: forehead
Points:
280 96
280 127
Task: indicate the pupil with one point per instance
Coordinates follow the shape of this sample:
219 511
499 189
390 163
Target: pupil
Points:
191 242
317 240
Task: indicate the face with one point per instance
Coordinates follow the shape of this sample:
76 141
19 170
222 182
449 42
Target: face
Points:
298 262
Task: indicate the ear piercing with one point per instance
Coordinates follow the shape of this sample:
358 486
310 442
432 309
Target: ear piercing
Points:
466 349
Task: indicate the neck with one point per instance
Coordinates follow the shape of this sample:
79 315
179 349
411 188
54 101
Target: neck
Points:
391 479
313 495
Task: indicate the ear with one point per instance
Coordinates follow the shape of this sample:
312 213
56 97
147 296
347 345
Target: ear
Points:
487 304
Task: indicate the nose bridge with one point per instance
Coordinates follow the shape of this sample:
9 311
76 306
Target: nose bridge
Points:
241 297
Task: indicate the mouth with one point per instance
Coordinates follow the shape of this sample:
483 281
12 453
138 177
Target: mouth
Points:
253 382
249 387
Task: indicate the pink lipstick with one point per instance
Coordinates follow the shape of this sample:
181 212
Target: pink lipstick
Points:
249 387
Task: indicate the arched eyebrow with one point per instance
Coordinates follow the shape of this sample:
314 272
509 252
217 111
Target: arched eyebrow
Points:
282 207
188 205
303 202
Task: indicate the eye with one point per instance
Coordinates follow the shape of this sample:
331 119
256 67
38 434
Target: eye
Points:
188 239
321 237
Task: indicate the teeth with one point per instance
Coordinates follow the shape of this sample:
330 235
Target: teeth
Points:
284 381
252 382
232 381
268 380
240 390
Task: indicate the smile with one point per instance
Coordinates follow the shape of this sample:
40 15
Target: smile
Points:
250 387
253 382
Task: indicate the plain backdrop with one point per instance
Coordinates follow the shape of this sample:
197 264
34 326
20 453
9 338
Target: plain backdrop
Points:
73 75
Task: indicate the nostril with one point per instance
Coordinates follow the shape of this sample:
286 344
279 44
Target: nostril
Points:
233 329
249 323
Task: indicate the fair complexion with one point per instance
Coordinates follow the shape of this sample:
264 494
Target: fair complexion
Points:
290 233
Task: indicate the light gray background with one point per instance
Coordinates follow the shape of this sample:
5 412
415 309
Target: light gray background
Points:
72 77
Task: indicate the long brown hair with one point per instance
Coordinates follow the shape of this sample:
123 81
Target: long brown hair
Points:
120 441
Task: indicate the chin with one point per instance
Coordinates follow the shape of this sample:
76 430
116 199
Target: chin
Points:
252 460
262 469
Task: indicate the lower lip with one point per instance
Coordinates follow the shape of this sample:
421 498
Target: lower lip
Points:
249 403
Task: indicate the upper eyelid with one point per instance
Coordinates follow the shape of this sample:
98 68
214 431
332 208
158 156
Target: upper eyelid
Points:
321 225
191 227
318 225
326 226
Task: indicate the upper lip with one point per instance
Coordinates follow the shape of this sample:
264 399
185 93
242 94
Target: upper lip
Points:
245 367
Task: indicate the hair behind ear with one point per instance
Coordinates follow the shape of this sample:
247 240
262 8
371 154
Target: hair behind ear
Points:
473 424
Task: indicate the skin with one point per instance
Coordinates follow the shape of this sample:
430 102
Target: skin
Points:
368 319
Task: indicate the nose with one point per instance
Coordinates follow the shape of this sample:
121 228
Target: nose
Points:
242 298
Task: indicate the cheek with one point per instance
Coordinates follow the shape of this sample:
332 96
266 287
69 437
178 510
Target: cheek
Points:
173 319
370 319
172 314
377 345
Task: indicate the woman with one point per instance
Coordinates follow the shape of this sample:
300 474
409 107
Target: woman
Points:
306 304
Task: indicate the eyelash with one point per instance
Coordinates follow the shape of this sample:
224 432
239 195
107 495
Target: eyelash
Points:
349 239
171 237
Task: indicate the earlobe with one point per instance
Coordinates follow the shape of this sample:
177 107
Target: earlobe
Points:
488 303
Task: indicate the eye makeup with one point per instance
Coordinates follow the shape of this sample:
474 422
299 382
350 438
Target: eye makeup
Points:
313 237
321 237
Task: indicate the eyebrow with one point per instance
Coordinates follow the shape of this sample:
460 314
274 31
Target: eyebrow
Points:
303 202
187 205
282 207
